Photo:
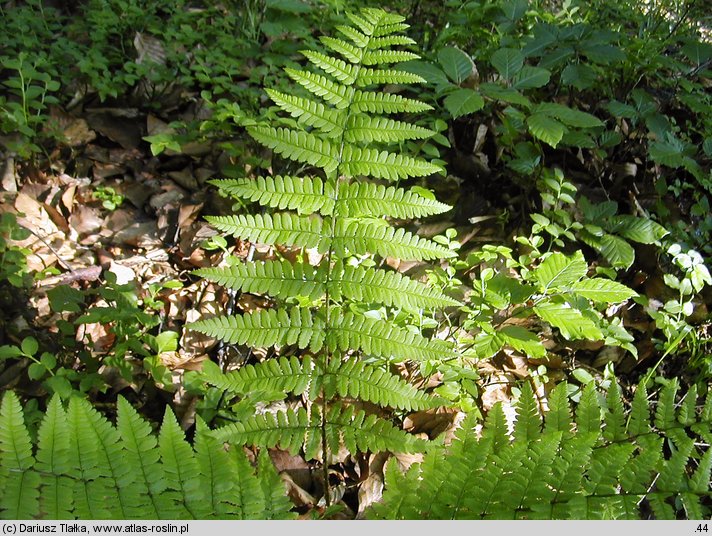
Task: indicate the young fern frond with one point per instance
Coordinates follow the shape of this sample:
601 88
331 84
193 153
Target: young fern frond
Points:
88 469
557 472
339 209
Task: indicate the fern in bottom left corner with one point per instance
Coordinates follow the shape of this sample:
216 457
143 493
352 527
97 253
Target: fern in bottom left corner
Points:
84 467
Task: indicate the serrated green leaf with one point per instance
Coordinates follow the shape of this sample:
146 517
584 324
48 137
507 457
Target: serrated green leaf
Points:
457 64
531 77
507 61
559 271
546 128
571 322
463 102
602 290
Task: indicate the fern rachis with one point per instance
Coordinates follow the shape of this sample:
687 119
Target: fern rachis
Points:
343 129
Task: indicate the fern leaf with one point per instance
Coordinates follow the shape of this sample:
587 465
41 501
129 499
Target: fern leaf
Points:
639 419
558 418
528 424
588 412
376 43
143 457
379 57
20 483
686 414
383 339
390 29
362 433
248 500
359 39
358 380
286 429
367 198
53 462
496 428
700 481
310 113
386 103
672 474
665 411
278 278
289 375
266 328
348 51
566 478
284 228
368 77
528 485
606 465
182 474
363 128
372 285
91 485
276 504
332 92
614 416
383 165
213 463
298 145
366 26
361 237
637 474
339 69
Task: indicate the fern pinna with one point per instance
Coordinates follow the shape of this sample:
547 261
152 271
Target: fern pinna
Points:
83 467
602 464
344 127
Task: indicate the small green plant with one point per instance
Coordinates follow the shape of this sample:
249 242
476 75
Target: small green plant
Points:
110 198
13 259
31 87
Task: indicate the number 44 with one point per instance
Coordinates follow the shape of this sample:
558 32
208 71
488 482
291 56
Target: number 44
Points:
701 528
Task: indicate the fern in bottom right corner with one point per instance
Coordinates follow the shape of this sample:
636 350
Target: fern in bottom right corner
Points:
601 462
